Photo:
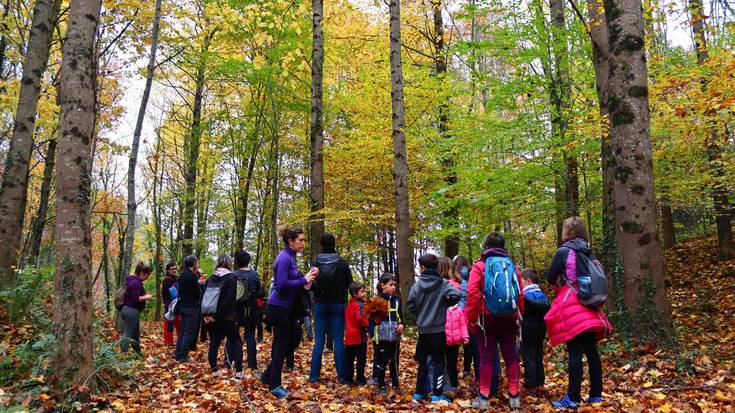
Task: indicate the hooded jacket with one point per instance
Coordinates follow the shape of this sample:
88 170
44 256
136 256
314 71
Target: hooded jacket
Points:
356 323
429 298
395 314
227 303
476 288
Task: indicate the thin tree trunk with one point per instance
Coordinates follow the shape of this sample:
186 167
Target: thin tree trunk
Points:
400 161
40 222
449 212
72 306
714 148
14 186
561 98
316 192
156 201
644 293
133 161
106 230
192 159
4 40
667 225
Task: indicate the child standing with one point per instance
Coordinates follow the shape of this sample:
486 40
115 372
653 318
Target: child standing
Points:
456 324
428 299
386 334
494 301
356 324
533 330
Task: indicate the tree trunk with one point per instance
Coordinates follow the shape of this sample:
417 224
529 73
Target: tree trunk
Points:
400 161
106 230
72 306
644 293
132 202
316 192
3 41
192 159
14 187
714 148
40 222
667 226
156 201
561 95
449 211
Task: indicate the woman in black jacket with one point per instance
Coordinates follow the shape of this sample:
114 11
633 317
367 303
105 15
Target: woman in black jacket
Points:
223 322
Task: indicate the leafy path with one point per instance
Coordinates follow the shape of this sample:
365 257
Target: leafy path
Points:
696 376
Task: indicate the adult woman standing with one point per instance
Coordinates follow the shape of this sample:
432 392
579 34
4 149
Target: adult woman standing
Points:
570 322
222 324
284 291
135 298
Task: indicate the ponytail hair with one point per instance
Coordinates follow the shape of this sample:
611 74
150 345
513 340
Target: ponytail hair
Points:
288 232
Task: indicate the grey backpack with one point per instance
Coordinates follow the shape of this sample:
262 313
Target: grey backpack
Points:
591 287
210 299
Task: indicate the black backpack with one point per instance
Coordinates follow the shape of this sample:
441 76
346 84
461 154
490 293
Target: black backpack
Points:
329 282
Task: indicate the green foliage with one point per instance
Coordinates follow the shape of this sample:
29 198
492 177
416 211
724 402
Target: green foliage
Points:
26 300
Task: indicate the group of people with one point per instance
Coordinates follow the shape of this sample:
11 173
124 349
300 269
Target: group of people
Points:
488 308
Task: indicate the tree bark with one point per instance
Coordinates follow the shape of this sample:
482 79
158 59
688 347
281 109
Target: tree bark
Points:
72 306
133 161
644 293
316 192
106 230
726 248
667 226
4 41
157 215
40 222
561 95
14 186
400 161
192 157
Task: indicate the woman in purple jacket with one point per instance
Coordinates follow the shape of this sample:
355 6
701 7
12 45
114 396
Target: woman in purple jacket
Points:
135 298
284 291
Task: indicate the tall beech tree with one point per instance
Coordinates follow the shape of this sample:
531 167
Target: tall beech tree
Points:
14 187
72 306
404 250
316 191
644 293
133 160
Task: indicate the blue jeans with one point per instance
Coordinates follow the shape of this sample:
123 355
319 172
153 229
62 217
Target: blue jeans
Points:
328 318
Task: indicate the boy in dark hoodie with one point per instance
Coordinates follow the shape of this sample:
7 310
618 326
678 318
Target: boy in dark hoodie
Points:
429 298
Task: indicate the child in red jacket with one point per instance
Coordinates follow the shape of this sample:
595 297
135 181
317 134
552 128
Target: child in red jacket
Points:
356 324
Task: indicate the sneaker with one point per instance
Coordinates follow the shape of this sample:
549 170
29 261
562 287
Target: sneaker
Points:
481 402
442 398
239 375
263 379
418 397
382 391
566 403
514 401
280 392
595 399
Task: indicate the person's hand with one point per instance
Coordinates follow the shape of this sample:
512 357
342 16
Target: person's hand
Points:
311 275
147 297
465 341
208 319
400 329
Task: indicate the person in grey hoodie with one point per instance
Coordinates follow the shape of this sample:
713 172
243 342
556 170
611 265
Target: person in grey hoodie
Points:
428 299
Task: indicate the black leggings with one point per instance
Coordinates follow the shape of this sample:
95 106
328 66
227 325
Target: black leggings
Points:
433 345
219 330
584 343
283 329
356 353
452 356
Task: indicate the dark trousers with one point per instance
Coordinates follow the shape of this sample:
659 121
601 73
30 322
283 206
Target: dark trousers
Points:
386 358
532 353
189 326
131 336
584 343
219 330
356 353
249 336
283 328
433 345
452 356
470 356
259 325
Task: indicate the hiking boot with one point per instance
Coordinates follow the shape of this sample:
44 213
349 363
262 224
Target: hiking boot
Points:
280 392
566 403
514 401
481 402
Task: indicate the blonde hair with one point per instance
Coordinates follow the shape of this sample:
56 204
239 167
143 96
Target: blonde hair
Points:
574 228
224 261
446 269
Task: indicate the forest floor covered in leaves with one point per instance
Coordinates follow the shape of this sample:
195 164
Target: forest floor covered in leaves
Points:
697 375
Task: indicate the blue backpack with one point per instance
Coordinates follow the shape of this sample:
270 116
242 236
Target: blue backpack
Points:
501 286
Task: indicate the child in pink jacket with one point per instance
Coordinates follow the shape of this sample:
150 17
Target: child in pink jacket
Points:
456 323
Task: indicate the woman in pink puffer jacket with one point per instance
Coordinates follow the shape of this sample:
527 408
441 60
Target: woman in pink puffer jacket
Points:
570 322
